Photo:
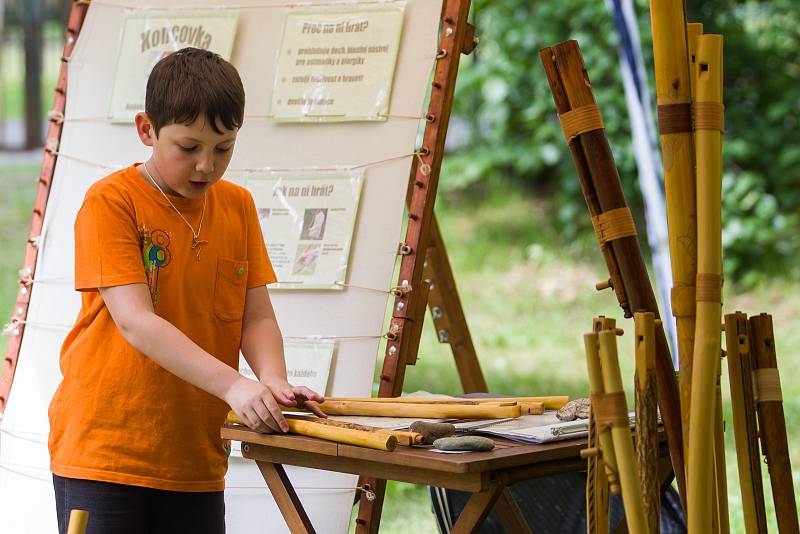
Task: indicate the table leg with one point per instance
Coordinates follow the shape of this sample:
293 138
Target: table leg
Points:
510 515
477 508
289 504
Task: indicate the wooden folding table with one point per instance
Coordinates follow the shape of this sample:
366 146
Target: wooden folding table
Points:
484 474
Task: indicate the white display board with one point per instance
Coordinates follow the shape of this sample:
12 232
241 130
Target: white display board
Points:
92 146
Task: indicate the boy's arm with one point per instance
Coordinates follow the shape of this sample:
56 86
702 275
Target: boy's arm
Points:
132 310
262 347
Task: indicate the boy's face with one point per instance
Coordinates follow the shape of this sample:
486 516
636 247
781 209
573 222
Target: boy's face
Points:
187 159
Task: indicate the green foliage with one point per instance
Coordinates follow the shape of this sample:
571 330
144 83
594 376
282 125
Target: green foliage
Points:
502 93
513 138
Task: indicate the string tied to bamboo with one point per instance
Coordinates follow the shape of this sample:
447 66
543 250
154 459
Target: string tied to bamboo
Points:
614 224
581 120
767 385
610 410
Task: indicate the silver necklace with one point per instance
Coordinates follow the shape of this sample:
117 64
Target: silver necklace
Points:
197 243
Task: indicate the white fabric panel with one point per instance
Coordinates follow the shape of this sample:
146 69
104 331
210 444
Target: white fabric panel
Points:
26 497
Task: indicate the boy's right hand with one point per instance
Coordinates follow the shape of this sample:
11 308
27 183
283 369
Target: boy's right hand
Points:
254 404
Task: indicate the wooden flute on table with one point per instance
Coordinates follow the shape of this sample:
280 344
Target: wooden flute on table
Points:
373 438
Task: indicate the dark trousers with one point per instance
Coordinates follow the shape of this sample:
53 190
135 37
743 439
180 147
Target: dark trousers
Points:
123 509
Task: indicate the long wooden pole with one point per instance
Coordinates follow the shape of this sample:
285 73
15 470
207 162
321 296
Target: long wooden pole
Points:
772 423
707 347
602 190
647 416
674 97
745 429
552 402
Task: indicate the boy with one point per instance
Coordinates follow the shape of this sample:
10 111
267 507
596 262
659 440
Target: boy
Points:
172 268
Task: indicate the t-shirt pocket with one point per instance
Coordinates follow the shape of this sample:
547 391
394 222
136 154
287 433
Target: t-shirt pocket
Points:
230 289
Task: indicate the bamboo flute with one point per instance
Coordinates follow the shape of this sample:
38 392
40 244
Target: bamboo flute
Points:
552 402
371 440
597 478
745 431
707 349
647 416
674 98
434 411
403 437
621 435
720 470
772 423
592 346
604 197
78 521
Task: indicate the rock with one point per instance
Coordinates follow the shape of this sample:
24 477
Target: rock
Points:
464 443
432 431
574 409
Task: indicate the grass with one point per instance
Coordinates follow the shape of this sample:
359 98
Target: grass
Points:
528 295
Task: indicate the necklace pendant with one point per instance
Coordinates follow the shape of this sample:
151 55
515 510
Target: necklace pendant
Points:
198 243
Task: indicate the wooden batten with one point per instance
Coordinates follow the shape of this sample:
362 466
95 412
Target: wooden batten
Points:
772 424
603 193
707 348
647 416
745 427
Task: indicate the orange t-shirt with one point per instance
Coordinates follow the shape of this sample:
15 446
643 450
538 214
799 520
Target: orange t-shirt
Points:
117 416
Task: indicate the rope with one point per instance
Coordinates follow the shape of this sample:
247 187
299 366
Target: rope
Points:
709 287
675 118
610 410
767 385
580 120
614 224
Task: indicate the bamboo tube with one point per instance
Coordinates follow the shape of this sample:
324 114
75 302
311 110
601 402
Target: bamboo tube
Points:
403 437
603 193
673 88
745 431
709 309
78 521
772 424
553 402
720 471
591 345
434 411
597 478
360 438
647 416
621 436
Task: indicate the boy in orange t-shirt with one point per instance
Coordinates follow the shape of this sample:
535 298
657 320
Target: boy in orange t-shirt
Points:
172 269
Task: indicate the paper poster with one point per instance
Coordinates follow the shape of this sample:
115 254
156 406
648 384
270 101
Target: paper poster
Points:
149 35
308 220
308 363
337 64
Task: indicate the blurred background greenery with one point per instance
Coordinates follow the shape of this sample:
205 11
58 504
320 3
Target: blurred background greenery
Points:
510 207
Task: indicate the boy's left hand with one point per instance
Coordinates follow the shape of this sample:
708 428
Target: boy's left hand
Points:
295 396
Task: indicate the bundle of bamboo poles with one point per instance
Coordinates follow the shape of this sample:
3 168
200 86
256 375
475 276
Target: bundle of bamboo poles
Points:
614 226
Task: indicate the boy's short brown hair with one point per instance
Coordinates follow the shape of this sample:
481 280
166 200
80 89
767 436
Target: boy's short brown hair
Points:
191 82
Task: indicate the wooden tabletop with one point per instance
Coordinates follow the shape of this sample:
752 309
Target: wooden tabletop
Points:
470 471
